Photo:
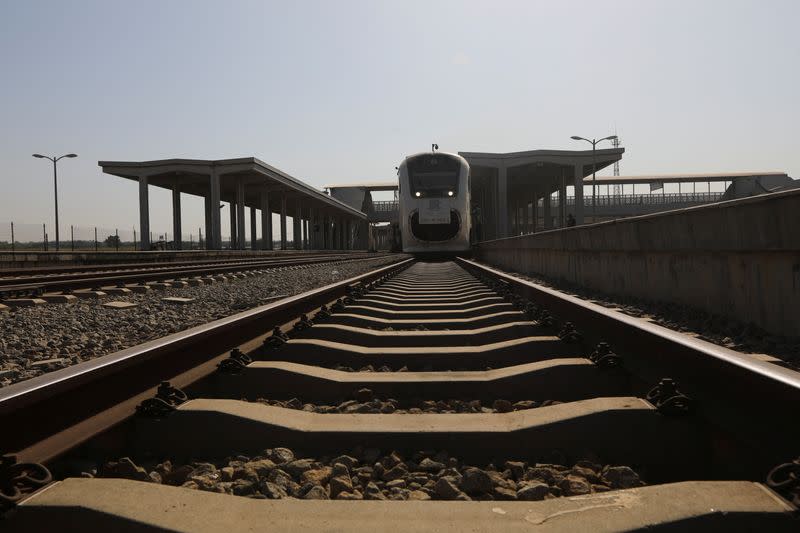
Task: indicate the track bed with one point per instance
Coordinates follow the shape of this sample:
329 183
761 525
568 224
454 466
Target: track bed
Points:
450 400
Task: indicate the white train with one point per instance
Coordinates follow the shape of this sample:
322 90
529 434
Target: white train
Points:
434 203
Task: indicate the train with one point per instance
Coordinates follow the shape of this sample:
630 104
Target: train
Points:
434 203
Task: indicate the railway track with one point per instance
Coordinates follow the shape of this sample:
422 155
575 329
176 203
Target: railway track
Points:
428 381
38 282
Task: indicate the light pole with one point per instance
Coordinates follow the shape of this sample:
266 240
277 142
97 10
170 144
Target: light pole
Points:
55 183
593 142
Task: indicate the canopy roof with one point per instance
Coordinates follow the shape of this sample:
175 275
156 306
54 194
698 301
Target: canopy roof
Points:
192 177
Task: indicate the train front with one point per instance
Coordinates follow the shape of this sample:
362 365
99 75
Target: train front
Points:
434 203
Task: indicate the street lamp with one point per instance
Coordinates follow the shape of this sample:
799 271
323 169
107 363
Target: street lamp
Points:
55 183
593 142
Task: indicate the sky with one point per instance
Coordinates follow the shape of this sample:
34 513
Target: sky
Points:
341 91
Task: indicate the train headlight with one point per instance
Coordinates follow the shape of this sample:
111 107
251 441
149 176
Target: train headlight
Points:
417 194
449 193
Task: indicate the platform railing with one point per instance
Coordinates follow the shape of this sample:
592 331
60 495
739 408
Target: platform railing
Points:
651 199
384 206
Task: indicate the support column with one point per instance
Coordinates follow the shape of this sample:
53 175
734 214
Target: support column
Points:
208 232
526 228
215 233
297 231
240 228
266 222
232 210
304 224
253 230
312 244
326 232
144 213
320 239
176 215
562 201
578 182
502 202
534 212
283 220
548 219
347 234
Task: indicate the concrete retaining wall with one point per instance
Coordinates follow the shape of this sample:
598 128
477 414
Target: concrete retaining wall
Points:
739 259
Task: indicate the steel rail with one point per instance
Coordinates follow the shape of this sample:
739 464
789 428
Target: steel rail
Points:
756 400
47 415
144 268
53 271
164 274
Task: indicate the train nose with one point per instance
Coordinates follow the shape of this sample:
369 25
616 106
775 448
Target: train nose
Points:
435 232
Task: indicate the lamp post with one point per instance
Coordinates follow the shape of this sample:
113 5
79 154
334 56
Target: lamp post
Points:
55 183
593 142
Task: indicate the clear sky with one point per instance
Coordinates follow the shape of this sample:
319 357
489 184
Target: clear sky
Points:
333 91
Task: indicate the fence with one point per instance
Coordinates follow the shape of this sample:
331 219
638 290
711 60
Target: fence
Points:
613 200
650 199
389 206
41 237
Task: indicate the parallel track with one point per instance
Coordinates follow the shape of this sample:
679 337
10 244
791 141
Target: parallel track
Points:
440 331
120 275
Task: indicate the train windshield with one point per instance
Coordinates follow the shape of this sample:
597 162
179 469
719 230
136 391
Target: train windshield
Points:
433 176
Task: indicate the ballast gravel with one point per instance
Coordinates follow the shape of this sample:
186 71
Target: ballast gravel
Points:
368 474
36 340
365 402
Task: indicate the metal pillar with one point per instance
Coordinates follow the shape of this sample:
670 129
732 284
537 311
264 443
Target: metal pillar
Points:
266 222
502 202
304 224
240 227
253 229
347 234
326 232
144 212
283 220
534 213
578 182
176 216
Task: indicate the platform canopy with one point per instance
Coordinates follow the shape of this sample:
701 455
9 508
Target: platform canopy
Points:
244 182
504 184
366 185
